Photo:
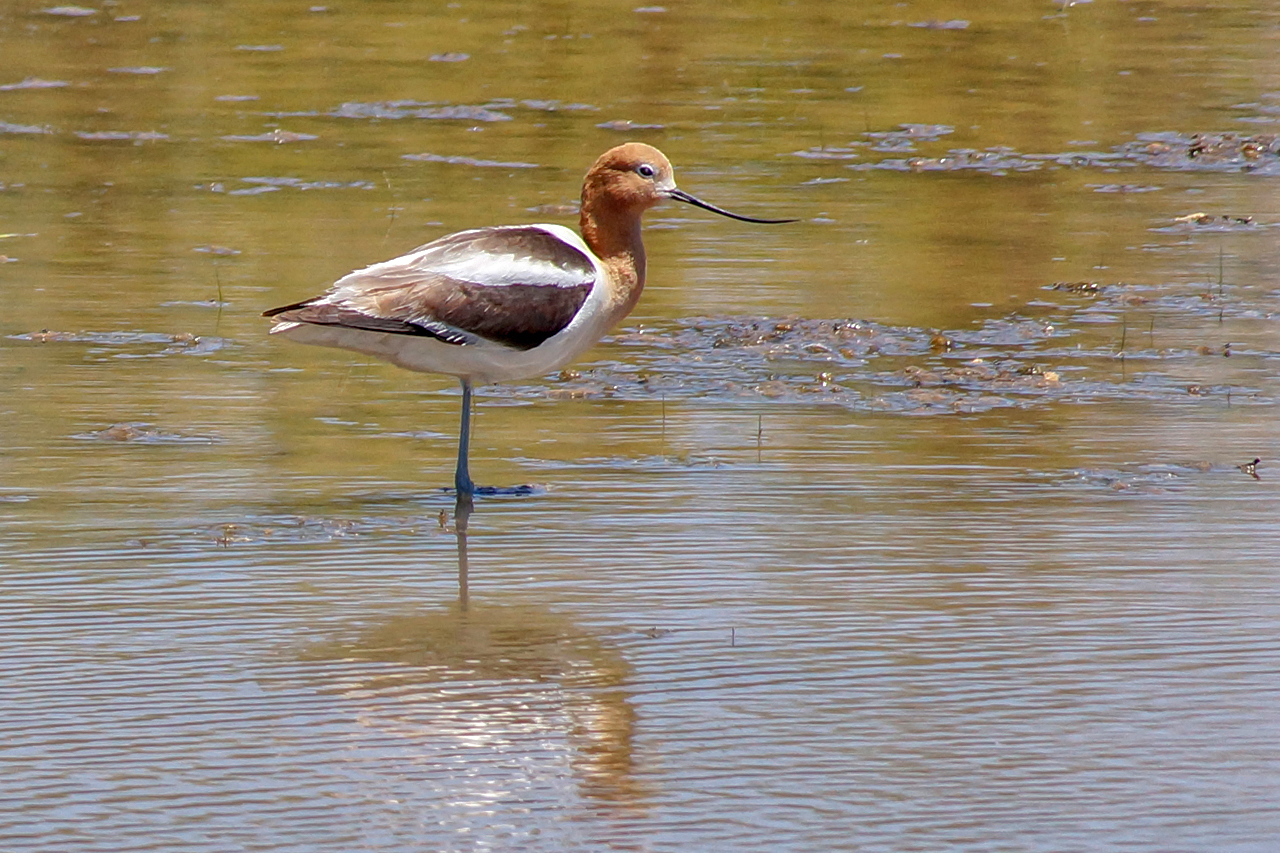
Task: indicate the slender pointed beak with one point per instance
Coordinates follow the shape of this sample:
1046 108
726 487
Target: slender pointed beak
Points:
681 195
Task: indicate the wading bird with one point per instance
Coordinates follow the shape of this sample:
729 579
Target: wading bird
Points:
506 302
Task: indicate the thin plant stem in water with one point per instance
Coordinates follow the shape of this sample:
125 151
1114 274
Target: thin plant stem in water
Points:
1220 275
662 436
392 209
217 280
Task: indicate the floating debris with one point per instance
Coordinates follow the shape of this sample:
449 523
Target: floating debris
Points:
272 184
70 11
141 433
181 343
34 83
995 161
458 160
1087 287
295 529
550 106
957 24
1011 361
906 138
1146 480
941 343
1155 478
1123 188
1221 152
8 127
449 57
830 152
416 109
137 137
626 125
1205 222
277 136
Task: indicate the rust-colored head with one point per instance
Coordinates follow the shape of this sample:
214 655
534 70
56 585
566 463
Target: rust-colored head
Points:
631 177
628 179
620 186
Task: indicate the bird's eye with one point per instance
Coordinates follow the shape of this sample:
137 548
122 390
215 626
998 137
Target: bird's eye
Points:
644 170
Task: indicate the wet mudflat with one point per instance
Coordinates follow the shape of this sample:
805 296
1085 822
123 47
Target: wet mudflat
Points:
944 518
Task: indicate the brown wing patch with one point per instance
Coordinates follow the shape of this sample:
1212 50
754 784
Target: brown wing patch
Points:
518 315
513 285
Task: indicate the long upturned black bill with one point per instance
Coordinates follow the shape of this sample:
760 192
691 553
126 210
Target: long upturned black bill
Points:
681 195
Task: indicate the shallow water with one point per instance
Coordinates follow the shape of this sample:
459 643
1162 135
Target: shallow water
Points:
928 522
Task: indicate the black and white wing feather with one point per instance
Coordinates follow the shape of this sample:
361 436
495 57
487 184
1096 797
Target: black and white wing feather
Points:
512 285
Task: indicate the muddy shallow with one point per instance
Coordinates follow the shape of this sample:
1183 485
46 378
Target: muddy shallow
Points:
941 519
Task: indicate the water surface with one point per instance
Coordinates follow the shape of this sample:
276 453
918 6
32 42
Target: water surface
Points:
928 522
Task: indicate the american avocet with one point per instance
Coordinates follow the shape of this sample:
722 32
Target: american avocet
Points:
502 303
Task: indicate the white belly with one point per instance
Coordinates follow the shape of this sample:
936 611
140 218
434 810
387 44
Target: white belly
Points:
482 363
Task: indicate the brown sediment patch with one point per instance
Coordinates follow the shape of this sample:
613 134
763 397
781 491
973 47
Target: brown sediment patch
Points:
1213 152
1155 478
131 344
141 433
1096 342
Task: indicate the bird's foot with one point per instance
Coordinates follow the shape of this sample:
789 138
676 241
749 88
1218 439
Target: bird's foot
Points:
524 491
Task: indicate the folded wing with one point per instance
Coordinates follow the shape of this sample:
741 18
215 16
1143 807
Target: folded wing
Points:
514 285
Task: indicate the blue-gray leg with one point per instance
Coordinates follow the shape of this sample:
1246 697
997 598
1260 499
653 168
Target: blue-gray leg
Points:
462 477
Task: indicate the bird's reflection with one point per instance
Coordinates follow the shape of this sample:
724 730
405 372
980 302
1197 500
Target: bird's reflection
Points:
461 517
485 677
